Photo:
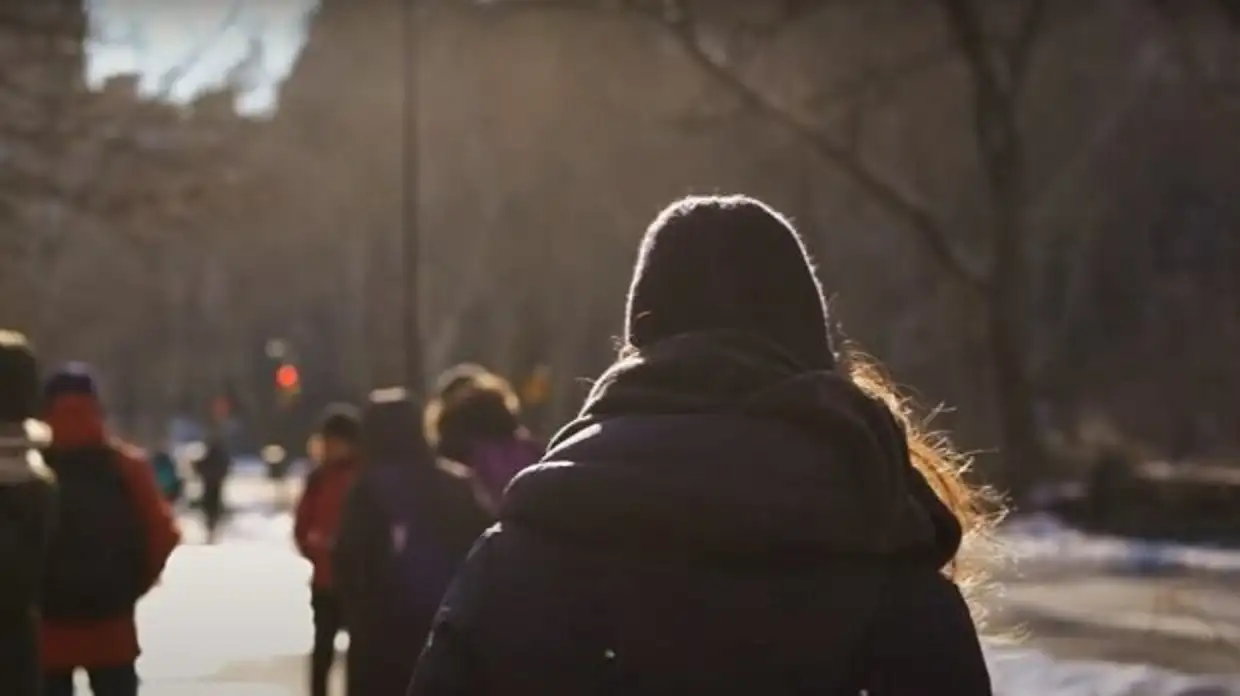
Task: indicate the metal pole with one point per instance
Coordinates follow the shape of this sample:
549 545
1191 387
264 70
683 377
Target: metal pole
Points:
410 241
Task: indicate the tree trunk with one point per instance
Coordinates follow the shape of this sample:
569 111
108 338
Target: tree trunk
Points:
1021 447
1001 148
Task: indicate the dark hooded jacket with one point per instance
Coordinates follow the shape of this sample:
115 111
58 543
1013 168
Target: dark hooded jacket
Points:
27 516
384 637
718 520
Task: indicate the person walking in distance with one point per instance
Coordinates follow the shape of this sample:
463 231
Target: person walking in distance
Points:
736 508
317 521
27 515
114 534
212 469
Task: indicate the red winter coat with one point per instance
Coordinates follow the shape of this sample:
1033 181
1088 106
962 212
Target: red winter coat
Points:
318 516
76 421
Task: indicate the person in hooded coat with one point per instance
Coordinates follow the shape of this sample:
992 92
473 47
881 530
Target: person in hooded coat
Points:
27 517
733 511
406 526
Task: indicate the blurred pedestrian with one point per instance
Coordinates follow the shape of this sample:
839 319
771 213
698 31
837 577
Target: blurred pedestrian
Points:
114 534
407 525
212 469
28 507
317 522
477 422
734 510
167 474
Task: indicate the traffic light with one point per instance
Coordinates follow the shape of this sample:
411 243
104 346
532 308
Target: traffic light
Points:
287 378
288 384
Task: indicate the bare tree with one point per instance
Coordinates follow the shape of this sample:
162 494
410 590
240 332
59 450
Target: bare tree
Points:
991 257
998 70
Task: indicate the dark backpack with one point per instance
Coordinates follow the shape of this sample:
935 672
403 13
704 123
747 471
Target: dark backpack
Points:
421 565
96 567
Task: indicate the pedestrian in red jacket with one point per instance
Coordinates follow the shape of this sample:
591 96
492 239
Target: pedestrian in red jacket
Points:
114 534
316 526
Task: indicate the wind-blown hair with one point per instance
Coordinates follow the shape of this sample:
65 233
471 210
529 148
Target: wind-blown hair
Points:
979 509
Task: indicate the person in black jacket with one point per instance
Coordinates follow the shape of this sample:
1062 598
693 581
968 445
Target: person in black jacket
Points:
212 469
27 514
406 526
734 510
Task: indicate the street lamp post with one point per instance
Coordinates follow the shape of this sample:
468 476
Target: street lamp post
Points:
410 238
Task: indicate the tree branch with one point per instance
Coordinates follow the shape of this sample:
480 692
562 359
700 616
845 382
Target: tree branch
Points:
89 191
1020 50
794 11
679 23
1057 190
965 23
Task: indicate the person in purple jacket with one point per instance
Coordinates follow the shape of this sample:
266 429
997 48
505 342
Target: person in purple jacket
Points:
476 421
735 510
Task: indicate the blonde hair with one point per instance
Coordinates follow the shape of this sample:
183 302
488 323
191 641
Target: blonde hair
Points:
468 390
979 509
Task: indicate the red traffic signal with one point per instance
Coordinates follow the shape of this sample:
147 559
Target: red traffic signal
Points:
287 377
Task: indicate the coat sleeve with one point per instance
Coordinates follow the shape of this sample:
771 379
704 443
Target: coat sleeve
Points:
163 534
355 557
303 520
925 642
449 664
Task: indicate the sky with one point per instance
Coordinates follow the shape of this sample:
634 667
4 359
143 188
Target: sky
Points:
183 47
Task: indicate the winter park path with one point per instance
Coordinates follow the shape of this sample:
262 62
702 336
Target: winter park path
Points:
233 619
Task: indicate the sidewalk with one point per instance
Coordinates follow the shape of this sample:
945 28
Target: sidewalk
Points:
277 676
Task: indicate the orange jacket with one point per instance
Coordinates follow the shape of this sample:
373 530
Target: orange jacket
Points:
318 517
114 641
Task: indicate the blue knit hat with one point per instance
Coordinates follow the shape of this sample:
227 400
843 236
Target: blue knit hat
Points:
74 379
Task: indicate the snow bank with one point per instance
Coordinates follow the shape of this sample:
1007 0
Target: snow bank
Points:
1017 672
1048 541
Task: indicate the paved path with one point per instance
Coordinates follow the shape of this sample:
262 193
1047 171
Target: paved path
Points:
234 620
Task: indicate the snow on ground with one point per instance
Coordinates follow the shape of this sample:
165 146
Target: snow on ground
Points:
1016 672
1110 587
1045 539
219 605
